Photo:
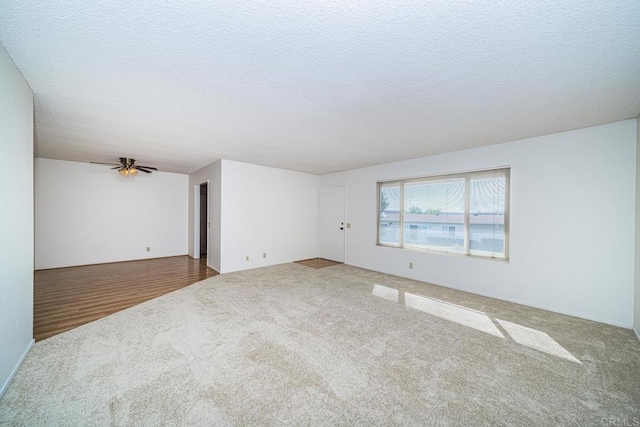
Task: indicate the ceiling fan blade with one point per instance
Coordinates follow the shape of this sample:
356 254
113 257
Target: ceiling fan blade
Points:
117 167
102 163
138 168
147 167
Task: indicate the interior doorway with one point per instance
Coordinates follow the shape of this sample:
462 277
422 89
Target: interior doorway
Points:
204 222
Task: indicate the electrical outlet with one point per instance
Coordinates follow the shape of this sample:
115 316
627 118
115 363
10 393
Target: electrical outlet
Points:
148 248
410 265
247 258
264 255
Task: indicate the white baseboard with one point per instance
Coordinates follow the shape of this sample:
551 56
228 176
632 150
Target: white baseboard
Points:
5 386
636 332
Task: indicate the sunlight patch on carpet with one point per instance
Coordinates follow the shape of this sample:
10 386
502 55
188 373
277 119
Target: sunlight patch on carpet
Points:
537 340
387 293
477 320
453 313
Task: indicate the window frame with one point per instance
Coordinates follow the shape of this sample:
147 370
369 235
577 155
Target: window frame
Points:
466 176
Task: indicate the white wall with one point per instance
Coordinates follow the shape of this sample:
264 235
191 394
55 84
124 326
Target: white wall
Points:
636 309
89 214
267 210
210 174
562 187
16 218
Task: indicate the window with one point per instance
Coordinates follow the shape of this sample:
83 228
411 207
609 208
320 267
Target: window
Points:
389 230
464 213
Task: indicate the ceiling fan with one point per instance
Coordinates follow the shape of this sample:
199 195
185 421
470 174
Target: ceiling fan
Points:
128 167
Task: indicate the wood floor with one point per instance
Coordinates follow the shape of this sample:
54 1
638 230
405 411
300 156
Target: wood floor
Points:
317 262
65 298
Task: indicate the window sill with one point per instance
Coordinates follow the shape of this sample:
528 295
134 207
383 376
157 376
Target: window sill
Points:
453 254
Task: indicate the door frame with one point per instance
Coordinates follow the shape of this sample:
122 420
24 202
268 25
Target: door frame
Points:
344 215
196 220
204 227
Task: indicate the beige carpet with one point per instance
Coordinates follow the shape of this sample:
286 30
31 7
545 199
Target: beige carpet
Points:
290 345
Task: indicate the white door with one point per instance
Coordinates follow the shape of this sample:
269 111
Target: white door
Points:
332 223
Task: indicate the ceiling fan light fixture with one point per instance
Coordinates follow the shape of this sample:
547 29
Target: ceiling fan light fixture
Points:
128 167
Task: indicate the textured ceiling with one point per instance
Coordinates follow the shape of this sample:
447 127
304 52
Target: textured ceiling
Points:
317 86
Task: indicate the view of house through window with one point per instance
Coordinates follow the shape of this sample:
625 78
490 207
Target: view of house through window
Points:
464 213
